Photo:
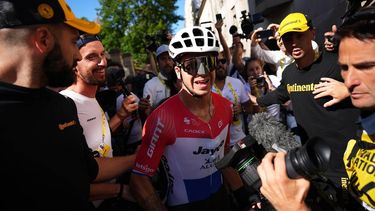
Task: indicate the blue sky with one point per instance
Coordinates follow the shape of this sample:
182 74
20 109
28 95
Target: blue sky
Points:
86 8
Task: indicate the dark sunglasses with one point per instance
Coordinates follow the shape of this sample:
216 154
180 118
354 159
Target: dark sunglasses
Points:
222 61
192 65
86 38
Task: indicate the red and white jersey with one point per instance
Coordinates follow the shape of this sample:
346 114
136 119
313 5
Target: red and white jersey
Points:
190 146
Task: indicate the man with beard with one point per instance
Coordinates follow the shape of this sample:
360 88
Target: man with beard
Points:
90 73
233 90
46 163
165 84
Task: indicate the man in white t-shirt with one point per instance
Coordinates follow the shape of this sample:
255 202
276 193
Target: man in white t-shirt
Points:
233 90
162 86
90 73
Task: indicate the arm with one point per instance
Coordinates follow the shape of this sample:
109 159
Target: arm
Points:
282 192
218 26
110 168
144 193
278 96
237 54
331 87
109 190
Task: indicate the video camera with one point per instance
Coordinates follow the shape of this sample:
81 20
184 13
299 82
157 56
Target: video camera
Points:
307 161
247 24
154 41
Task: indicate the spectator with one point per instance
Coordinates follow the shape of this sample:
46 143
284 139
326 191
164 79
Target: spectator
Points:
164 85
356 59
90 73
334 124
47 164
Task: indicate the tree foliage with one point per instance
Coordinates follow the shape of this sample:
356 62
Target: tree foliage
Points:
125 23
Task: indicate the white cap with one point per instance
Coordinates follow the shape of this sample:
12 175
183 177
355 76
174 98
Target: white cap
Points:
163 48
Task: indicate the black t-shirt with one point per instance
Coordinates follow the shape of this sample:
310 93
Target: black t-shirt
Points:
335 124
46 163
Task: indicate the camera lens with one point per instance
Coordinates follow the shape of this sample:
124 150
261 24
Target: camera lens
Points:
260 81
247 168
309 160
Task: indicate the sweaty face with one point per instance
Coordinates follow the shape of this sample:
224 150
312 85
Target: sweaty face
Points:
91 69
357 61
59 63
297 44
197 73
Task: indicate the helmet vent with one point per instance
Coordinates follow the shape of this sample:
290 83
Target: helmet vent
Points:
197 32
210 42
185 35
177 45
188 43
199 41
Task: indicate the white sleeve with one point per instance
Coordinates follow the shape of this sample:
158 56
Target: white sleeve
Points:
272 57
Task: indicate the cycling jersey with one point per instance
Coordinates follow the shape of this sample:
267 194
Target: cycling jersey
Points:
190 147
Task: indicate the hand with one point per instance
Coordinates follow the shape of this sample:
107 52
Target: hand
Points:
328 45
144 103
129 104
331 87
254 39
282 192
236 109
253 99
219 25
126 194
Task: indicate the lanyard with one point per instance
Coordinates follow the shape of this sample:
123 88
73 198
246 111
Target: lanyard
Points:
231 89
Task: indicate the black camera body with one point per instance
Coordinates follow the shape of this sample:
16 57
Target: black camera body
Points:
260 80
247 24
308 161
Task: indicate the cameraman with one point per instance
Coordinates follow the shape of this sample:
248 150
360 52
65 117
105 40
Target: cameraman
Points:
356 58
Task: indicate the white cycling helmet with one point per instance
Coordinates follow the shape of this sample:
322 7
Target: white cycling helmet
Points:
193 40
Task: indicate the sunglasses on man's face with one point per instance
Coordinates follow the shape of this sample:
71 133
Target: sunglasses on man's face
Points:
192 65
222 61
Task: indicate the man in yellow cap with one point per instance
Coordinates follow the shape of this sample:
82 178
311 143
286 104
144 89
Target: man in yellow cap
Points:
335 124
46 163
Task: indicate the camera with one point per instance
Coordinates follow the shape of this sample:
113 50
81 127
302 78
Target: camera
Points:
260 80
247 24
307 161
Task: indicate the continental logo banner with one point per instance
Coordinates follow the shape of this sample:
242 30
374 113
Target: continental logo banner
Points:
300 87
359 159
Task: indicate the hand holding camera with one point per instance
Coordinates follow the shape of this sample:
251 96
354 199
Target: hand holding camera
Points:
291 193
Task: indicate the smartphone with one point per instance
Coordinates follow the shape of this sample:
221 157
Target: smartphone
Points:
265 34
219 17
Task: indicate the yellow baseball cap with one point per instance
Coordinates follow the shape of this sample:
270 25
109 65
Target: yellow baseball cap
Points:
294 22
30 12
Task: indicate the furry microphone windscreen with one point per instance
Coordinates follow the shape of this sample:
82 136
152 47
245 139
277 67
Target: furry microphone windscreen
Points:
271 134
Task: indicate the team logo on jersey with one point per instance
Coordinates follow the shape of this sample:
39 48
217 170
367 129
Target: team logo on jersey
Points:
187 121
220 124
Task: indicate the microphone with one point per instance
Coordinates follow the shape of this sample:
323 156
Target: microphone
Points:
271 134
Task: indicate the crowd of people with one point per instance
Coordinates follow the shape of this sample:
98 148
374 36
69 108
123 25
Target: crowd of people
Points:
90 138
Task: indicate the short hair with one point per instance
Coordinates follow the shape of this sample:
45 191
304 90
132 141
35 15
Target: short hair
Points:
361 25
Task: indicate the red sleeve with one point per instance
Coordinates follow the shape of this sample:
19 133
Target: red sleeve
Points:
157 134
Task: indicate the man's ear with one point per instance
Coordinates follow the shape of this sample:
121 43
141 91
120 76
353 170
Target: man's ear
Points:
177 69
44 39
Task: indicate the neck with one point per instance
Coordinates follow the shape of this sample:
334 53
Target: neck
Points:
306 61
84 89
201 107
220 83
25 72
